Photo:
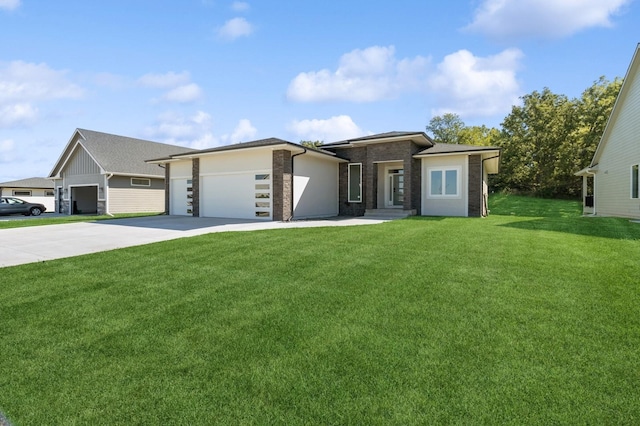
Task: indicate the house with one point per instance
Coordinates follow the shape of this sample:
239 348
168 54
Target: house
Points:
33 190
273 179
106 174
611 182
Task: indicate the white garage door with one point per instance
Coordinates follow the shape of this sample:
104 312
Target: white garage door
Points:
241 196
181 197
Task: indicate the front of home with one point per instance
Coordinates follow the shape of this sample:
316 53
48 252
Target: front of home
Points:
272 179
611 182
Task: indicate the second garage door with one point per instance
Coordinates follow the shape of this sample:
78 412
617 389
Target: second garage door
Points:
240 195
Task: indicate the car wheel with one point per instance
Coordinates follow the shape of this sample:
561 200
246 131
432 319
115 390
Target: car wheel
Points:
35 211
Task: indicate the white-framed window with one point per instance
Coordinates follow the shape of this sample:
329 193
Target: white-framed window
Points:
49 193
444 182
21 193
262 195
635 179
355 183
140 182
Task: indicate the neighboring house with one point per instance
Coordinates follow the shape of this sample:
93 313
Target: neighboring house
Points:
33 190
106 174
273 179
611 183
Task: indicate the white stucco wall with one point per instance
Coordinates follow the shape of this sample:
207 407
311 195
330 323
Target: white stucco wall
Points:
445 206
315 187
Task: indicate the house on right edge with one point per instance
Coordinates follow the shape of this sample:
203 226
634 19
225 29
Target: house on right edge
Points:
611 183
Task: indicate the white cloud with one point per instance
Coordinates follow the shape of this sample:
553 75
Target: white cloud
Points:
365 75
196 131
506 19
184 94
330 130
9 4
243 132
164 81
23 85
235 28
28 82
240 6
6 150
474 86
18 114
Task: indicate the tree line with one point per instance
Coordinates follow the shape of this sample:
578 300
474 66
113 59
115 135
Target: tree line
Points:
544 141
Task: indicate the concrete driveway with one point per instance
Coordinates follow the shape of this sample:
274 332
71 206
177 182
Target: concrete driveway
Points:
41 243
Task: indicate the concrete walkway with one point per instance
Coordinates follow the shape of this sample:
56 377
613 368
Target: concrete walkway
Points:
48 242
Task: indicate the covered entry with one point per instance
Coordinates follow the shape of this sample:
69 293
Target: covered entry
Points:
84 199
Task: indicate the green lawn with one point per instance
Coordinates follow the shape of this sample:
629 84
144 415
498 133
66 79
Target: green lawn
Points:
529 316
46 219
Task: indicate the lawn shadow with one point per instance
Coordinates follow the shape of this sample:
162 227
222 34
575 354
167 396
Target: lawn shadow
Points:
615 228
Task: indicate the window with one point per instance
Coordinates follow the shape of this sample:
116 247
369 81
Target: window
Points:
262 195
48 193
355 183
21 193
140 182
634 181
444 182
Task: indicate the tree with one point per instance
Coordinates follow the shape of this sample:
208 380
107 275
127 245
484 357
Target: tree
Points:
550 137
312 144
446 128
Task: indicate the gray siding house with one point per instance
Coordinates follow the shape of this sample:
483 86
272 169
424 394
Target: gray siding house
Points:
611 183
101 173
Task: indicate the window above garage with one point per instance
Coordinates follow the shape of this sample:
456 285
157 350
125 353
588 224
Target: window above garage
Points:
140 182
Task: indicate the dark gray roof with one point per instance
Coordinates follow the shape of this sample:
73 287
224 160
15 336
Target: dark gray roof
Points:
450 148
245 145
386 135
33 182
120 154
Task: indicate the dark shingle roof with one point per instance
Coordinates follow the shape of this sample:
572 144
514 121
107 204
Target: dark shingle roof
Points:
449 148
244 145
121 154
387 135
33 182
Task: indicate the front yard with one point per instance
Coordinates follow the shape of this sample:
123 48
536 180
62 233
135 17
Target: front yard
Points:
529 316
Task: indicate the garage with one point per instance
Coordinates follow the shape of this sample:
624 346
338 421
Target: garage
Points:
236 195
84 199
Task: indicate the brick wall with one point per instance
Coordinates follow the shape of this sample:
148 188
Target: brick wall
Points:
475 185
195 181
281 185
369 156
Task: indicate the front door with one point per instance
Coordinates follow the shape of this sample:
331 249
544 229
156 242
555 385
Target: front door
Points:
396 188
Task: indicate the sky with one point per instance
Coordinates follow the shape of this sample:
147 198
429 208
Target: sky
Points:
205 73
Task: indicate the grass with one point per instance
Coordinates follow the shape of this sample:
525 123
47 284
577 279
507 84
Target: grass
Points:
5 223
528 316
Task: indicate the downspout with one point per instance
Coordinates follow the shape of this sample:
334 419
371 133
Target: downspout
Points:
485 199
106 193
293 179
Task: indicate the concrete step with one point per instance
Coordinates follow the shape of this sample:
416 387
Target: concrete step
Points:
388 213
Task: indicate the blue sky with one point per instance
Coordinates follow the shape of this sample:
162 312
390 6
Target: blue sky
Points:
202 73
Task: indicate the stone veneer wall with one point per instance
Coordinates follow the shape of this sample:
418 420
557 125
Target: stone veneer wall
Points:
369 156
167 187
281 185
195 184
475 186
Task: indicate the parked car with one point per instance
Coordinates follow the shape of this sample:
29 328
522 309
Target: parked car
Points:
13 205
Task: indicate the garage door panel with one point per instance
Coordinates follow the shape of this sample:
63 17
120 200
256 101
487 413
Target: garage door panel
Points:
229 196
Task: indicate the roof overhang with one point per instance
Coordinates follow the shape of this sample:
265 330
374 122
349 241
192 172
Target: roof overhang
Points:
490 156
418 138
293 148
